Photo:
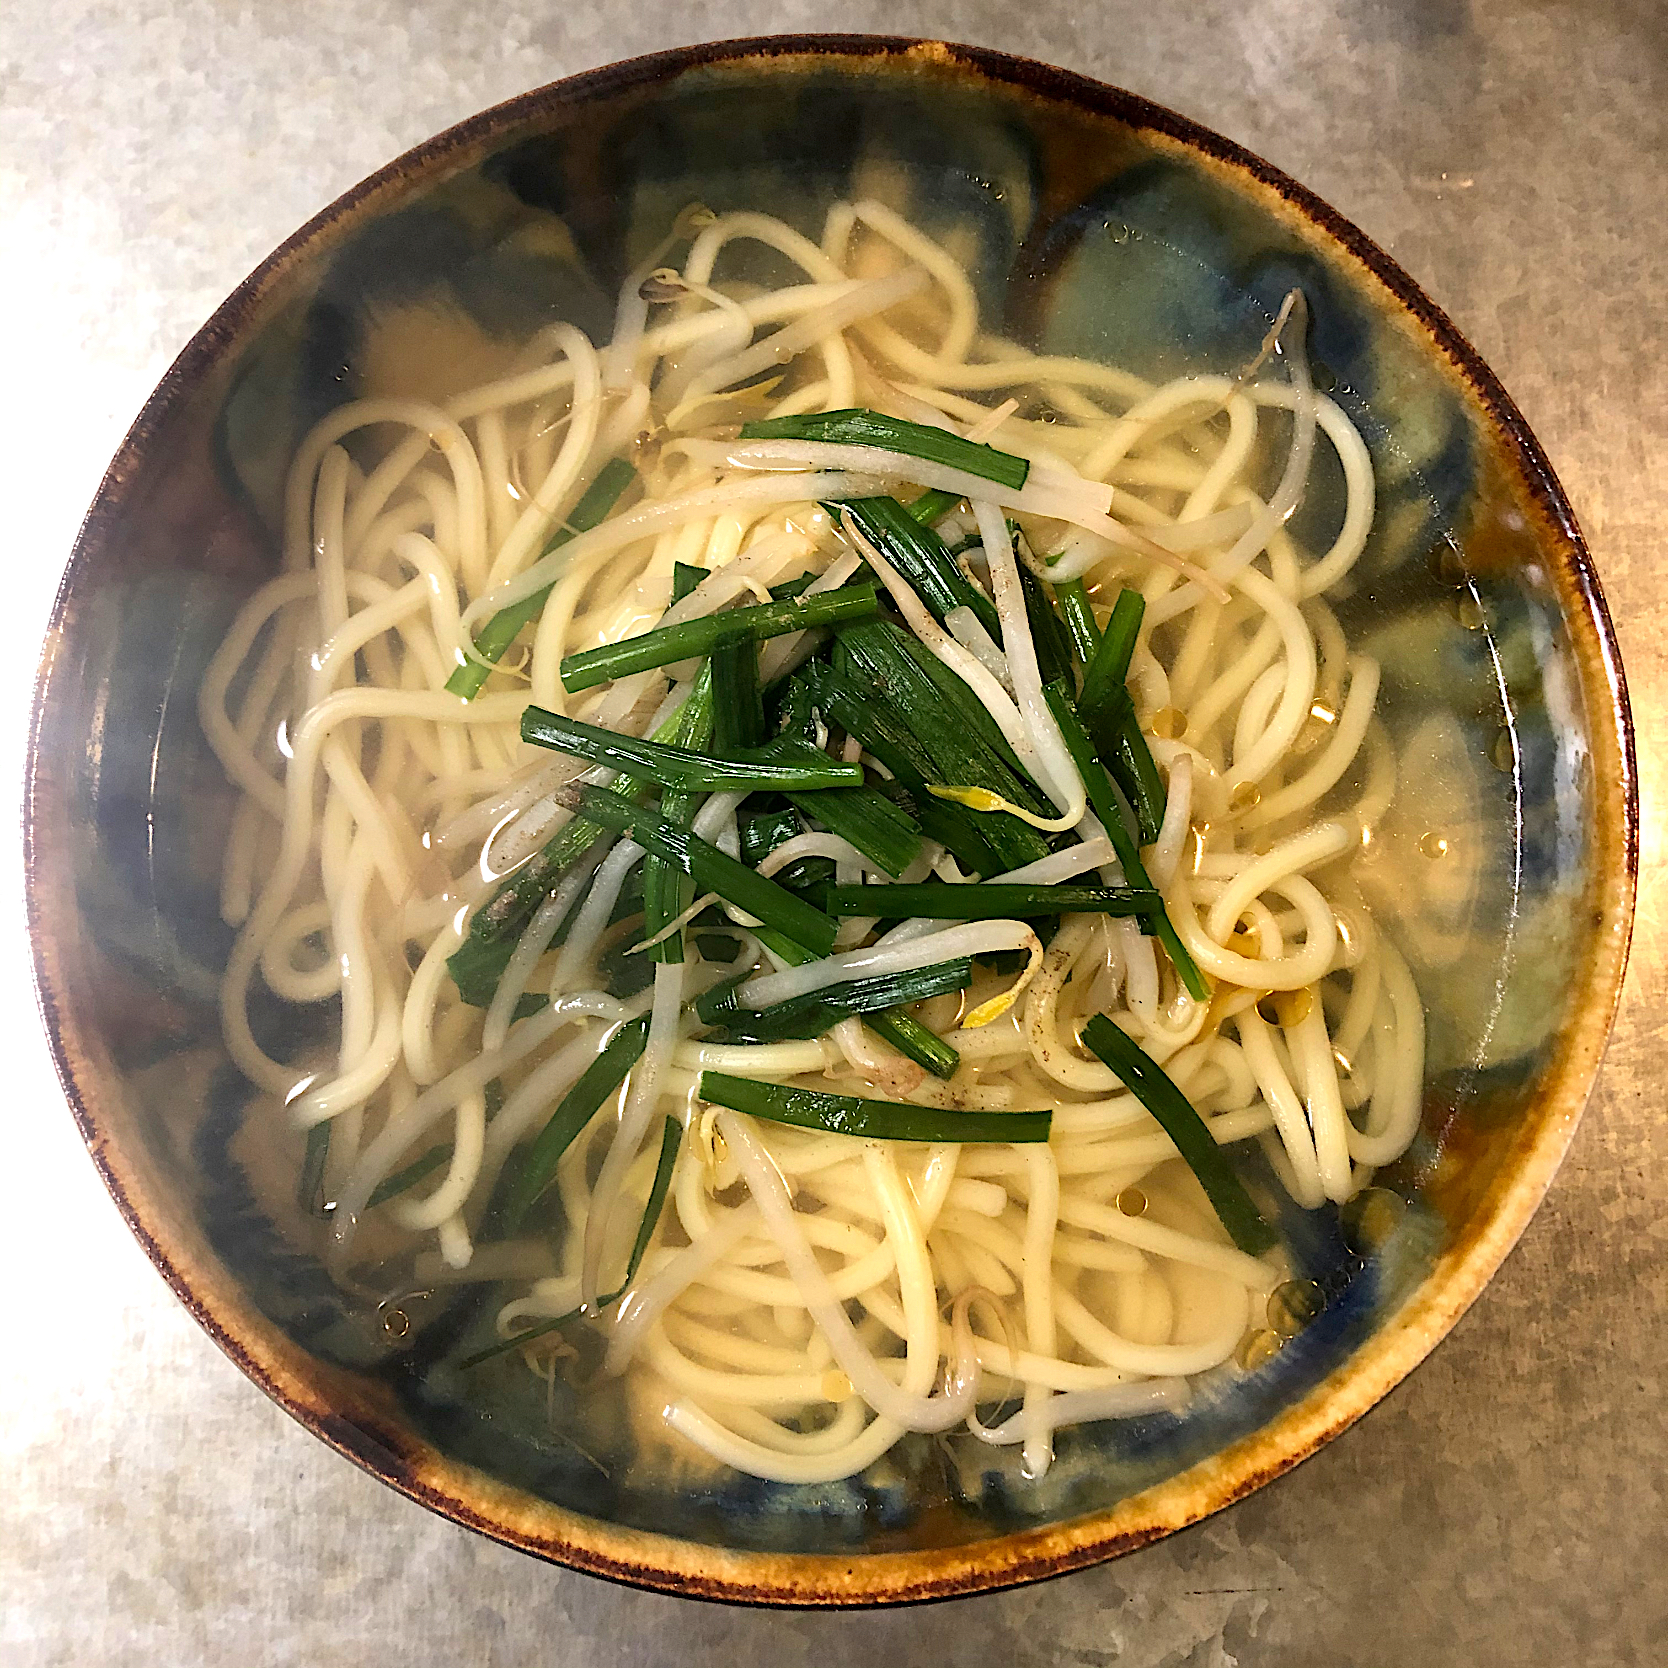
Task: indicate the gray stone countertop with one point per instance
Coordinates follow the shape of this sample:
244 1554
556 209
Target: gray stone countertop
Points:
1504 1506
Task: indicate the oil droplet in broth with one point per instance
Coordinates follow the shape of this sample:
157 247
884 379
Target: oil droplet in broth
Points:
1292 1305
1447 566
1257 1347
1169 723
1369 1219
1433 845
1247 796
1285 1007
1132 1202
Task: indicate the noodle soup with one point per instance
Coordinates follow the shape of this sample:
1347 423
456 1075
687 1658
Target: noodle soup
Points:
1029 624
939 487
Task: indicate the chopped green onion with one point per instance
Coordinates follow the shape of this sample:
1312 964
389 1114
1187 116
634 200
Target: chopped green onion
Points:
1109 715
1150 1085
914 1041
667 893
881 830
921 556
916 681
894 1027
880 1120
478 964
737 712
790 588
858 427
1080 619
957 830
400 1181
1104 802
391 1186
576 1109
685 577
810 1015
1048 631
924 732
506 625
670 1139
666 645
508 909
527 1335
711 869
932 506
309 1193
679 767
1117 737
983 901
1110 665
763 832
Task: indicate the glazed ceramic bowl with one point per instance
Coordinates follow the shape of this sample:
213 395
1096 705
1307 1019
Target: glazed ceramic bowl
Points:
1099 224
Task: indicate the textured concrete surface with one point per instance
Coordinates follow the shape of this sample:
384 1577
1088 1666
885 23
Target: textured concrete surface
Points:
1505 1506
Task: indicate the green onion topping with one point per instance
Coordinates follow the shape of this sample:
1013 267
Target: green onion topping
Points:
880 1120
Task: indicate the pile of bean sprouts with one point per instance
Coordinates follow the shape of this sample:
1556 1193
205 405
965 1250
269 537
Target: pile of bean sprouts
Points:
808 1298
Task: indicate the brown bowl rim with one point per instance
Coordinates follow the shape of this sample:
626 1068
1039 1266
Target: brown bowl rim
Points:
306 1391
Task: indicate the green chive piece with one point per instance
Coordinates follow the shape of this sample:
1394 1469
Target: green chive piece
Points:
504 914
1150 1085
711 869
894 1027
932 506
1116 734
670 1139
918 682
859 427
1110 665
984 901
681 767
881 1120
884 832
881 830
401 1181
737 710
1103 801
666 893
1079 614
309 1192
667 644
914 1041
764 831
921 556
800 1017
1048 631
577 1107
685 577
507 624
878 690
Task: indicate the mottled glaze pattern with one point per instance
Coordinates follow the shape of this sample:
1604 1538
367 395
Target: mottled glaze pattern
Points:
1099 224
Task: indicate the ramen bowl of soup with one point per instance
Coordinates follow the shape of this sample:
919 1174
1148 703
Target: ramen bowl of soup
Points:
829 821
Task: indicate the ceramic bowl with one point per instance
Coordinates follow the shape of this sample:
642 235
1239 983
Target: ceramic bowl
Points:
1100 224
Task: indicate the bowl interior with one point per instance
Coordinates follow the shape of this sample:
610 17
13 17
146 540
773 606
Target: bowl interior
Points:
1097 227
